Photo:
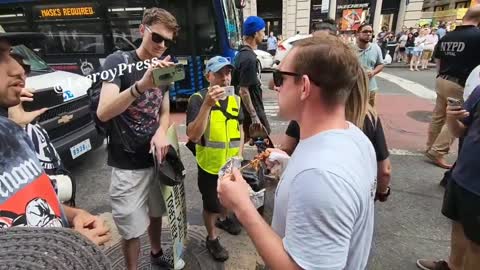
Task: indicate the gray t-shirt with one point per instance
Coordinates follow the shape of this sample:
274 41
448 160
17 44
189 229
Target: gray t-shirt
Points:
370 58
324 201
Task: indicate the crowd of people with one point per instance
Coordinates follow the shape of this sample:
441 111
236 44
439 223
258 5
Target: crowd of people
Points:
333 164
413 46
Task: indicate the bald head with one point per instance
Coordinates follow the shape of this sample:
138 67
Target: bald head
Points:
472 16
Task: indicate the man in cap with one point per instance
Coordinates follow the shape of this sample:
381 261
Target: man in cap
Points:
214 123
27 197
246 75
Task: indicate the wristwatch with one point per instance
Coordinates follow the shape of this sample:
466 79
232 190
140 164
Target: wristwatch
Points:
382 196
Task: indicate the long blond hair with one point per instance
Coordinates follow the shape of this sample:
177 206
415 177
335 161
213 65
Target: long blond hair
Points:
357 106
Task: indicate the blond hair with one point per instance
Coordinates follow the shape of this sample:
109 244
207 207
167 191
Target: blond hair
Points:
357 106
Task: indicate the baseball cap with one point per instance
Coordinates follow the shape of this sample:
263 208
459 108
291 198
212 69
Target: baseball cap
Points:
252 25
16 38
216 63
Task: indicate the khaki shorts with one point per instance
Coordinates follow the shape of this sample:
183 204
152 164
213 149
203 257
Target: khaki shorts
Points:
427 54
135 197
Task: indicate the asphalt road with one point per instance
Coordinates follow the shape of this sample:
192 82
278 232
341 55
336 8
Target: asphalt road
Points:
407 227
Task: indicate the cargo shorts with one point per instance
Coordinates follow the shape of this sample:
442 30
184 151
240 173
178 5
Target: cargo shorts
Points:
135 197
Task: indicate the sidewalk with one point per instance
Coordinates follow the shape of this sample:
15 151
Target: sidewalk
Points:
403 65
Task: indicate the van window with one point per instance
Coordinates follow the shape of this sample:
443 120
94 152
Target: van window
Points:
36 63
84 38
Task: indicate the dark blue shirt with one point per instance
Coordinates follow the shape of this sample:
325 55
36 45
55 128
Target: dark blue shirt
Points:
467 170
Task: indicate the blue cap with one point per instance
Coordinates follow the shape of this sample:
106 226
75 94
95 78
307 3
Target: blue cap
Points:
216 63
252 25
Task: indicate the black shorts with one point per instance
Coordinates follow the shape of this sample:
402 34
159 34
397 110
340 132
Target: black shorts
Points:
463 206
207 184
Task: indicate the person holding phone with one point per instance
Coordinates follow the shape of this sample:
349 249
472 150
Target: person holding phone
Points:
214 123
31 201
139 114
456 54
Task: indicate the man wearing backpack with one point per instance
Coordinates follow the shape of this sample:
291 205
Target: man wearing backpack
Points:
214 122
137 112
246 75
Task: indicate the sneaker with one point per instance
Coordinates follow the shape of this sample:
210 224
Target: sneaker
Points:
166 260
218 252
229 225
432 265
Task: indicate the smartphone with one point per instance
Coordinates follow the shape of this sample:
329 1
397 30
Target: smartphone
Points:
454 102
168 75
44 98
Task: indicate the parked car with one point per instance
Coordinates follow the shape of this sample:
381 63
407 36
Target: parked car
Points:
285 46
264 60
69 124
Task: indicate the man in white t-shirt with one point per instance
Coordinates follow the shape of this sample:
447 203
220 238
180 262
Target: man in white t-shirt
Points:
324 203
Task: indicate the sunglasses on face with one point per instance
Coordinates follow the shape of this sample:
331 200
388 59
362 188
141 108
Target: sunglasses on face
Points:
278 76
157 38
21 61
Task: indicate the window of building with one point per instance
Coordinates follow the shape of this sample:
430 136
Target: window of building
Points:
464 4
442 7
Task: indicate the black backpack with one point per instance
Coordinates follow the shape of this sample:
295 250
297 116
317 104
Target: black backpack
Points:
94 98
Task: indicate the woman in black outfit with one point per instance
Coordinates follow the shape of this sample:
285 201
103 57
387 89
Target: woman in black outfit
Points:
363 115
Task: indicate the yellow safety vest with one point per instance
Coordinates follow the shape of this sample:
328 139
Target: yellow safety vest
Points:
221 139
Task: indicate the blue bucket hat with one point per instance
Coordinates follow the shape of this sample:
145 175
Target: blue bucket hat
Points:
252 25
216 63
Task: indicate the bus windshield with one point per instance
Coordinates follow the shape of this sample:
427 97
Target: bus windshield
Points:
36 63
232 24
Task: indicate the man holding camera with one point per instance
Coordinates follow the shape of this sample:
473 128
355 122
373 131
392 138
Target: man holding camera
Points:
138 115
214 123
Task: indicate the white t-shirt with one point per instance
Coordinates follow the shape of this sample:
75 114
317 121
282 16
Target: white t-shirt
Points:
324 203
430 42
472 82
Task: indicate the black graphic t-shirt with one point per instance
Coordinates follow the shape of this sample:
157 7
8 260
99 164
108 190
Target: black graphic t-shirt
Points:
27 197
140 121
459 52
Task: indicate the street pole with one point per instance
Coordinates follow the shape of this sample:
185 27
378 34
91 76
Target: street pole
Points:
332 10
377 19
401 15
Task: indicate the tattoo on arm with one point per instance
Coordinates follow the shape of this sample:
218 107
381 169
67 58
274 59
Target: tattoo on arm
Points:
244 93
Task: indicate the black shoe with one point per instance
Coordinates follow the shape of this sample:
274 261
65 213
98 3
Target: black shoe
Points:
218 252
229 225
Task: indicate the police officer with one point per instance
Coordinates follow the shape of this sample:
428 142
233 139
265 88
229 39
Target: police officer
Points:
457 54
214 123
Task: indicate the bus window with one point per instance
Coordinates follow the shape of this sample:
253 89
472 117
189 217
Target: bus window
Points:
232 24
84 38
13 20
205 31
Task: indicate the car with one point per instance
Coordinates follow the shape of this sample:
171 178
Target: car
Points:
69 124
264 60
285 46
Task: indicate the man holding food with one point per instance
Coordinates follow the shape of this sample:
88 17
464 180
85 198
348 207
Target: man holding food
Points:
214 124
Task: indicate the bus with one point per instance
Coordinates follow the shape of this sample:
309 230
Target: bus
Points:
80 34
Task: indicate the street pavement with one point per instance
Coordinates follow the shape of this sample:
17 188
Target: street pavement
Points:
407 227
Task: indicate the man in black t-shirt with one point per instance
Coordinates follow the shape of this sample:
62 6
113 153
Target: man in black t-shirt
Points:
138 113
246 75
457 54
27 197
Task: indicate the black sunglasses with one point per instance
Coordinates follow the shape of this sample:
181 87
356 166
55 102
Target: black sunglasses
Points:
157 38
21 60
278 76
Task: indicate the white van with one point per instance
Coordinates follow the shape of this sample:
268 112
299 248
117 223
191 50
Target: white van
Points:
69 125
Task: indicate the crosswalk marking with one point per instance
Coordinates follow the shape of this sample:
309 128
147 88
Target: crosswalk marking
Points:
271 107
